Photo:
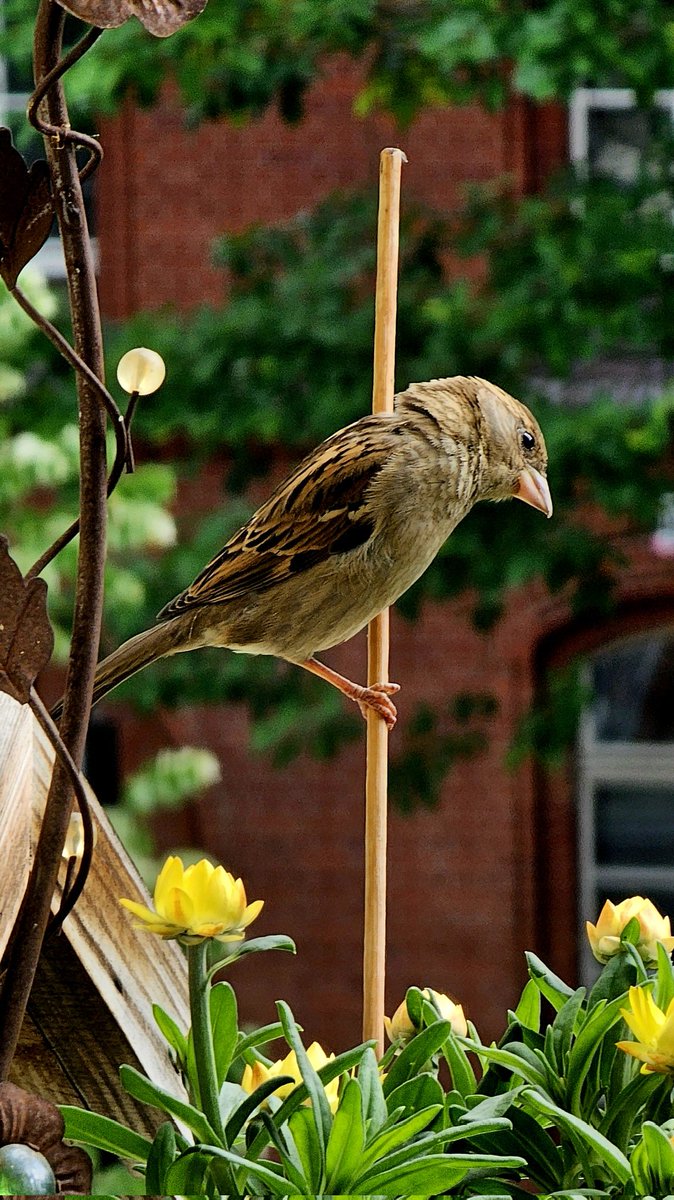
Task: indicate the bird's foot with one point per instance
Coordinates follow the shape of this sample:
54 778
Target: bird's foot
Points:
376 699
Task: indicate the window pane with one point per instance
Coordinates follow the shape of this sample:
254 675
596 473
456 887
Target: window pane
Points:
634 690
634 825
620 140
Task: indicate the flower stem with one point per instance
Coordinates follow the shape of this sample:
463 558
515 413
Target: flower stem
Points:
202 1035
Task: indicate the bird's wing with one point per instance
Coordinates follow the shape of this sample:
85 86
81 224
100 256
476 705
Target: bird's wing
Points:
319 510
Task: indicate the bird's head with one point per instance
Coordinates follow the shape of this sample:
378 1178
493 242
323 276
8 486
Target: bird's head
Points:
516 460
489 431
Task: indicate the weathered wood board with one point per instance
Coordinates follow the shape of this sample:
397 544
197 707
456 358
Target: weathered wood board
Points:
91 1006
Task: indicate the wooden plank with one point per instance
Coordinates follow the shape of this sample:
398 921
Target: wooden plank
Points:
16 772
36 1069
97 981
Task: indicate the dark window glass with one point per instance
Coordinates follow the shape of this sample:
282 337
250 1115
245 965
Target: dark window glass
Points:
634 825
621 140
634 690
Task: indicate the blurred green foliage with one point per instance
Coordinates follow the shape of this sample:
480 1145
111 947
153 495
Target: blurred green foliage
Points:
236 59
165 782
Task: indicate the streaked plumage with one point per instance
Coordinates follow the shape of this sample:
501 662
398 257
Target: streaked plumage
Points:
353 526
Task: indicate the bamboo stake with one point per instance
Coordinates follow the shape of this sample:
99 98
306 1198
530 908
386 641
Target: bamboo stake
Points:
374 938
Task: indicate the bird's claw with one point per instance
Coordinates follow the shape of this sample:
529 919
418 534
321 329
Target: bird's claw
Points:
376 699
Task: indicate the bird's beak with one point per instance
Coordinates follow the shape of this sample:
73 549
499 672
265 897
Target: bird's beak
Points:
532 488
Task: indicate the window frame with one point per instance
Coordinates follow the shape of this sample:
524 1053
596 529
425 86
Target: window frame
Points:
603 762
609 100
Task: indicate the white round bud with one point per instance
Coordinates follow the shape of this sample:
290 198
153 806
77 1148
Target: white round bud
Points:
141 371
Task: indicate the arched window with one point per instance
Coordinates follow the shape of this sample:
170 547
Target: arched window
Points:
626 778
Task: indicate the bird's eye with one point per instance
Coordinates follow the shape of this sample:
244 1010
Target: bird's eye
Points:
527 440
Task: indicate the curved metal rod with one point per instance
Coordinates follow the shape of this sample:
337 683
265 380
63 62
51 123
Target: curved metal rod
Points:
88 602
72 890
54 131
119 424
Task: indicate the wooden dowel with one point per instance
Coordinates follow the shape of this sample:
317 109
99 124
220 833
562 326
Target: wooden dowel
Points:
374 937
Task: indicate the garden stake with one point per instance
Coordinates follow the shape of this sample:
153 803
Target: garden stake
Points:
374 934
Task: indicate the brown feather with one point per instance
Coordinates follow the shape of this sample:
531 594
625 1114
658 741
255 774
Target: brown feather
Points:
319 510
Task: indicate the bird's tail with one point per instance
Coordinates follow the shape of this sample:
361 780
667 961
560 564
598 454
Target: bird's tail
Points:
130 657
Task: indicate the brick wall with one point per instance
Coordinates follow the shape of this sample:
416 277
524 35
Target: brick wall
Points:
166 192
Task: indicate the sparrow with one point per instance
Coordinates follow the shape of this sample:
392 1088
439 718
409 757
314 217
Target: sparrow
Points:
353 526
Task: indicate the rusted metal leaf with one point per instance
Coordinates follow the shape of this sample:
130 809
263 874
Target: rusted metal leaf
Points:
31 1121
26 637
26 209
160 17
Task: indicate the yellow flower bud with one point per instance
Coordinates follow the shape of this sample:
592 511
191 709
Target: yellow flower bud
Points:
197 902
259 1072
399 1027
604 937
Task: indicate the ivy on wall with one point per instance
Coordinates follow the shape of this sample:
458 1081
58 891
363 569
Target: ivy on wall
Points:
236 59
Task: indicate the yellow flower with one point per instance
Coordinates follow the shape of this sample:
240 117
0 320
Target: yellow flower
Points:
654 1030
255 1075
400 1028
604 937
197 902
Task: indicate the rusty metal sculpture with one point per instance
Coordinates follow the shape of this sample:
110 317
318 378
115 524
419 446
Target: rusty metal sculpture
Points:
29 199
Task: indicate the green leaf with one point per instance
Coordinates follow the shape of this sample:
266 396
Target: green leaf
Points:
520 1061
319 1101
375 1111
462 1073
416 1054
587 1140
140 1087
188 1175
272 941
660 1156
288 1153
275 1183
336 1066
616 978
346 1140
259 1037
224 1022
171 1032
303 1130
550 985
247 1107
162 1154
631 933
664 982
421 1091
588 1042
104 1133
486 1108
528 1011
421 1146
563 1027
623 1111
398 1135
433 1174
